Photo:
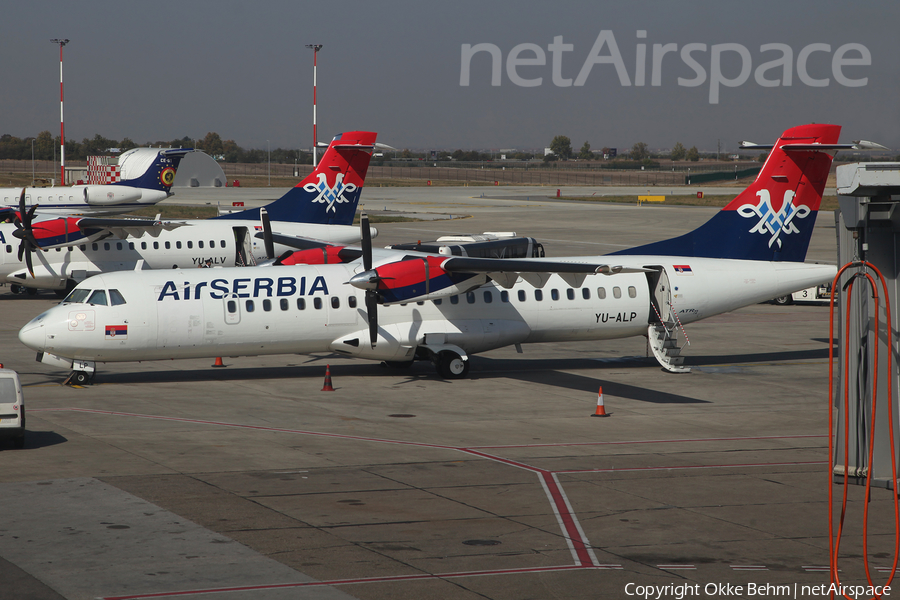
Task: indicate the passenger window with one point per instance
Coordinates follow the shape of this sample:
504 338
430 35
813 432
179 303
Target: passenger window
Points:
570 294
488 298
335 302
190 244
438 302
586 293
521 295
267 305
58 249
200 244
554 294
617 292
632 291
115 298
317 303
212 244
504 296
351 301
301 304
420 303
156 245
284 303
232 306
178 245
168 245
538 295
82 247
131 245
106 245
98 297
118 245
454 299
9 249
250 306
95 247
470 297
601 293
143 245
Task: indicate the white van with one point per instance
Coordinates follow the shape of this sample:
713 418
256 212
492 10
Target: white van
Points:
12 408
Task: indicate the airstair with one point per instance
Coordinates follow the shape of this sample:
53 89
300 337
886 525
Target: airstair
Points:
666 335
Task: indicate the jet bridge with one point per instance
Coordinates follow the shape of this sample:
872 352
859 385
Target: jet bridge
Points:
868 235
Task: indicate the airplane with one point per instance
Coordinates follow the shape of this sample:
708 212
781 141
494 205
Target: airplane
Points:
146 177
405 305
68 250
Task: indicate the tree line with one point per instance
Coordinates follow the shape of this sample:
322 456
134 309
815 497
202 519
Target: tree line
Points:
561 149
46 147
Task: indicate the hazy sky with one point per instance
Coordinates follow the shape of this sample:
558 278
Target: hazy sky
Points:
165 69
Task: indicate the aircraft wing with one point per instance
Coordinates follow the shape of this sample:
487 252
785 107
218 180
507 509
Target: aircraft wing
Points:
294 241
505 271
124 228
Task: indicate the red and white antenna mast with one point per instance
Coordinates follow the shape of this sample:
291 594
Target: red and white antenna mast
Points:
62 131
315 49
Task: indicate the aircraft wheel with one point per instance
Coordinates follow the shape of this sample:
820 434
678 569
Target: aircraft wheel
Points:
15 288
452 366
81 378
783 300
31 291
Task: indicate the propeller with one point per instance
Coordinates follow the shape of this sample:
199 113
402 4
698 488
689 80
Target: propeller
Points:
24 232
371 294
267 234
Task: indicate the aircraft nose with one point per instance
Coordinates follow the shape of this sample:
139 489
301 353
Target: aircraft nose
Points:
33 334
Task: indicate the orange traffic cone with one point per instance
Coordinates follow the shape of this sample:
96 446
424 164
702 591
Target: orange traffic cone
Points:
218 362
601 411
327 387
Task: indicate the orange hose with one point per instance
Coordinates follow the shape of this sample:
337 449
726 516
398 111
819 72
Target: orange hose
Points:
834 541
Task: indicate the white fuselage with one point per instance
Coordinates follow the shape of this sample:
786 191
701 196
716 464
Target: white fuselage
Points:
216 242
83 200
306 309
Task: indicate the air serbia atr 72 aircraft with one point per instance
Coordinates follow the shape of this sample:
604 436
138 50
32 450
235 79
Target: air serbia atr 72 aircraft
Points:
58 253
403 305
147 175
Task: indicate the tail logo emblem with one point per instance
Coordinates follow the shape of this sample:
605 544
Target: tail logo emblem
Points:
772 222
330 195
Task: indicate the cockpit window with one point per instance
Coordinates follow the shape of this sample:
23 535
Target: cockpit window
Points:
116 298
77 295
98 297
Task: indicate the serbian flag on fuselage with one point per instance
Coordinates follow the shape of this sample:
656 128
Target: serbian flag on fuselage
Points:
116 332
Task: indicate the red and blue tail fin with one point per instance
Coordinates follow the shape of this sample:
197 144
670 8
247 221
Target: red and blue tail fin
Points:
330 194
773 218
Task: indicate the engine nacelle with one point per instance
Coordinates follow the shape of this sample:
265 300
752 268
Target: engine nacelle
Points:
416 279
105 195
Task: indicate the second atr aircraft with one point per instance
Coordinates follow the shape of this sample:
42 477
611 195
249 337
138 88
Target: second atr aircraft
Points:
65 251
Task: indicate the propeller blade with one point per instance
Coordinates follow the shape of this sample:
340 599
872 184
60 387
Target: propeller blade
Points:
22 204
267 234
372 311
21 249
283 257
28 263
366 241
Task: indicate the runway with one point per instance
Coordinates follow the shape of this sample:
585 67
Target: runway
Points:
176 480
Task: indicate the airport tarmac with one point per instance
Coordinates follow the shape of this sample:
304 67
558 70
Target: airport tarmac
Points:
174 479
